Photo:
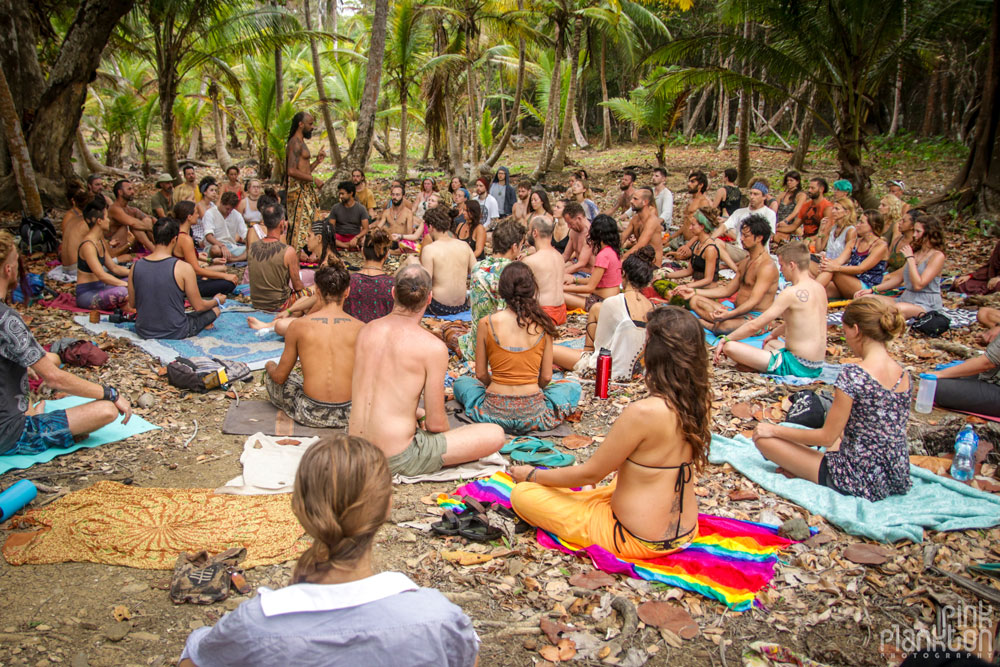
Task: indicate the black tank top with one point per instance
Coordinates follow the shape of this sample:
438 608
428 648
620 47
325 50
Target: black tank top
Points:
84 265
732 201
159 302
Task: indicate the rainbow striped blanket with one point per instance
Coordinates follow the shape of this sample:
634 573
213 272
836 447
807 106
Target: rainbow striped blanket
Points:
730 560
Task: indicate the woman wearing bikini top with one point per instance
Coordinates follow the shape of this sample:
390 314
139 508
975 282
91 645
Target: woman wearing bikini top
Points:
650 508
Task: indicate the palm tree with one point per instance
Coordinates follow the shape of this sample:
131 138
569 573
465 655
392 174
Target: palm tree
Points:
846 49
655 111
357 155
177 36
323 102
406 50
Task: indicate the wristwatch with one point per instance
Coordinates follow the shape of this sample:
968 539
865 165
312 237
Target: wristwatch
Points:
110 393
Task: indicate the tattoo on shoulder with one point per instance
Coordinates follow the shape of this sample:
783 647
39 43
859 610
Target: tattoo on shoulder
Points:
319 319
340 320
802 295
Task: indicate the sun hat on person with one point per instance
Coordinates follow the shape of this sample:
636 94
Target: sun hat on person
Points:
165 178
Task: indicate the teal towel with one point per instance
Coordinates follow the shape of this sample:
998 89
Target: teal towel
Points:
113 432
934 502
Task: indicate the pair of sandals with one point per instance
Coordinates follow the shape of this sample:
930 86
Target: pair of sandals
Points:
473 524
533 451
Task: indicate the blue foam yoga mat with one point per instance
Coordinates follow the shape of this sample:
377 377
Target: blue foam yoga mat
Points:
113 432
231 339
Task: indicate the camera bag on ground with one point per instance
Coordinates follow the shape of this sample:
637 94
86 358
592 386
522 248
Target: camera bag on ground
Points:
932 323
202 373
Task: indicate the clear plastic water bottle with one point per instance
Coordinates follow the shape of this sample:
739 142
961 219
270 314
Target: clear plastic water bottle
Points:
925 393
966 444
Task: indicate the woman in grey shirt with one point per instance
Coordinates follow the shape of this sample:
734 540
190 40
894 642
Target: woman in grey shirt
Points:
338 611
920 276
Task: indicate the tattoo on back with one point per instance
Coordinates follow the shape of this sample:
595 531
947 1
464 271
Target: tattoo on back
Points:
802 295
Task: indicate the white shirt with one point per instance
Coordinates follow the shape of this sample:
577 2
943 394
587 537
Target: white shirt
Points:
491 210
735 221
324 597
226 230
665 206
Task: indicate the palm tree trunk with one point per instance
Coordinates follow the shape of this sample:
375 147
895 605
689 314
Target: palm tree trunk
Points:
168 94
692 125
515 113
931 97
805 136
743 153
221 154
473 126
331 133
17 148
279 81
403 95
559 161
454 152
357 156
723 118
605 111
552 113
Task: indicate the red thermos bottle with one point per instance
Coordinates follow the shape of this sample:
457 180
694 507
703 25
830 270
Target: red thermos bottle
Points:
603 373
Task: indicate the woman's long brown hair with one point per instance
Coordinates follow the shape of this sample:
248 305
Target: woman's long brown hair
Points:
518 288
341 497
677 371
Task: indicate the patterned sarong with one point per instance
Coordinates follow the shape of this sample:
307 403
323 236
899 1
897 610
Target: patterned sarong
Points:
302 203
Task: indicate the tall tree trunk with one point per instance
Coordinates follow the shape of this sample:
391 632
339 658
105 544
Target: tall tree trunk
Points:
473 126
692 120
743 152
333 19
24 173
194 143
221 154
977 184
324 105
357 156
279 82
515 113
552 113
454 152
897 101
168 93
403 98
723 118
559 161
927 128
53 129
605 111
805 136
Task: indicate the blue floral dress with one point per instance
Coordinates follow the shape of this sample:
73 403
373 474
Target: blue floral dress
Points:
873 461
484 299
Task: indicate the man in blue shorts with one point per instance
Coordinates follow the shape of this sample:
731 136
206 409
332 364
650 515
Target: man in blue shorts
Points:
23 429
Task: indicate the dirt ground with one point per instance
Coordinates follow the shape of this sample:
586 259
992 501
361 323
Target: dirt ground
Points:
821 604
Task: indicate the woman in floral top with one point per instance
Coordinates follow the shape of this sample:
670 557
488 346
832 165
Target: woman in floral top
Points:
485 299
865 430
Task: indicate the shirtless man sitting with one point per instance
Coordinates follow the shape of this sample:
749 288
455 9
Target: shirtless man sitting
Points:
803 307
624 201
578 256
449 262
398 221
324 342
389 379
754 286
546 263
646 226
126 218
697 184
520 209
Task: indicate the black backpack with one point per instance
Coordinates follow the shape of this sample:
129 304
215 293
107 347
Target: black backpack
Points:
201 373
37 235
932 323
809 408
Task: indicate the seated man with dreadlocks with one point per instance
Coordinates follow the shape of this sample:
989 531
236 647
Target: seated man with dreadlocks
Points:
323 341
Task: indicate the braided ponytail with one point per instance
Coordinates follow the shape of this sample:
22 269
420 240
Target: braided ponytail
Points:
518 288
341 498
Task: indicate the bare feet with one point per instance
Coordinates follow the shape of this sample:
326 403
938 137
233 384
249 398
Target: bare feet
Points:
256 324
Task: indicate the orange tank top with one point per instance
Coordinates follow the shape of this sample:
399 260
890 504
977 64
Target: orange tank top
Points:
513 367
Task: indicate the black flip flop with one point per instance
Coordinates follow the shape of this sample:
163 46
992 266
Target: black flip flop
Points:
478 529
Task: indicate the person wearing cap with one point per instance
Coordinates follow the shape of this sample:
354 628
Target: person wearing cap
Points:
487 202
732 225
898 190
163 201
841 188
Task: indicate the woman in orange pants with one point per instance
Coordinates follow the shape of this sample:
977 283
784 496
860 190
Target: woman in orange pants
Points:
657 443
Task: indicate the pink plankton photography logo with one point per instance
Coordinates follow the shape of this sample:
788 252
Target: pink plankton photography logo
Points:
961 631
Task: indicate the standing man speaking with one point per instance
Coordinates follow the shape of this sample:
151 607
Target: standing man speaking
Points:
301 197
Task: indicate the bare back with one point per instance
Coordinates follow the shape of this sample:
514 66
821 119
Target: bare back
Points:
449 261
325 341
805 318
389 378
547 267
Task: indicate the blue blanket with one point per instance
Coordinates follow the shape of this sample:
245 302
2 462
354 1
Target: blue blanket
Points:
231 338
464 316
113 432
933 502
